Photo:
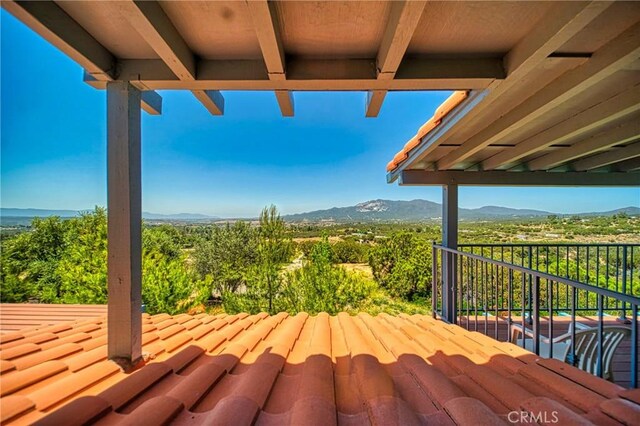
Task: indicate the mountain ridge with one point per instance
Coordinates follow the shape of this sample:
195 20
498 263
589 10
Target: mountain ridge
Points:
419 209
373 210
17 212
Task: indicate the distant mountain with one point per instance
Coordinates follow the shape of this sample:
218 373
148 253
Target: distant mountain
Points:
419 210
30 213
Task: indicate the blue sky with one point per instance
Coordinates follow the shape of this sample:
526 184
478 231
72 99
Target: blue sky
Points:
53 135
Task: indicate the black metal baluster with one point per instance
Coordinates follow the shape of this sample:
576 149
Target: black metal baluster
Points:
550 303
475 297
623 317
524 279
600 336
434 277
496 303
536 315
634 346
572 356
510 304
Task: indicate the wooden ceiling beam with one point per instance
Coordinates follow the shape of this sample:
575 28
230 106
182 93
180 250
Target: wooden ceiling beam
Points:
265 23
624 103
505 178
606 158
630 165
150 100
403 20
212 100
615 55
155 27
315 74
621 134
561 23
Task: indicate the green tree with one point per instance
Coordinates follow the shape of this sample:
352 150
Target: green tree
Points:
30 260
83 265
402 265
226 255
264 279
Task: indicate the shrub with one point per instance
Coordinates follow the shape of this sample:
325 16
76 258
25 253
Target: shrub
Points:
349 251
225 255
402 265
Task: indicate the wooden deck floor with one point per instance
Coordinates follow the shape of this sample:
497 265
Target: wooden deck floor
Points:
499 330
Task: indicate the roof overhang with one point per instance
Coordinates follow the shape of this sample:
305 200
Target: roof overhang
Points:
556 119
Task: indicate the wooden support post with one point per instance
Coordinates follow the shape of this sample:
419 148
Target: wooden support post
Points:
449 240
124 234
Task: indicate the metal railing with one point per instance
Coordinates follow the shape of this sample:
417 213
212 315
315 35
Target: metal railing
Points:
470 287
612 266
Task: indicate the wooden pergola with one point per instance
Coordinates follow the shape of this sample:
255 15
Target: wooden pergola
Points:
542 77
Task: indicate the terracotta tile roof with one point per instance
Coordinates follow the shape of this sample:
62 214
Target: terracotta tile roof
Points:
281 369
21 316
447 106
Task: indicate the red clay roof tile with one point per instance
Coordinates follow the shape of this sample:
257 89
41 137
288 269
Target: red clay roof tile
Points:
548 411
134 384
632 395
445 108
21 379
468 411
82 411
606 389
156 411
297 370
14 405
626 412
581 397
72 384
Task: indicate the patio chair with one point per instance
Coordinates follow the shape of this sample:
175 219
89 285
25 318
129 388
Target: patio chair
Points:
586 346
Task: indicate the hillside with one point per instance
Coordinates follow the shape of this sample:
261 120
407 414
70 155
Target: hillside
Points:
419 210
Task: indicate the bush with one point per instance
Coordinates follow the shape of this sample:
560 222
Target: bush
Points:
226 255
402 265
349 251
319 286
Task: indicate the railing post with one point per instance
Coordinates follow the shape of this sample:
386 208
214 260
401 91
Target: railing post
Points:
434 279
536 315
449 240
623 313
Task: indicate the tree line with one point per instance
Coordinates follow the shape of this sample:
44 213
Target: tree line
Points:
242 267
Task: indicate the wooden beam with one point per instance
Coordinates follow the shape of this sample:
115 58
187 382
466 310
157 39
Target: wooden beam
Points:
632 164
610 58
607 158
562 22
265 23
402 23
212 100
155 27
316 75
621 134
611 109
505 178
285 100
151 101
53 24
374 102
124 230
